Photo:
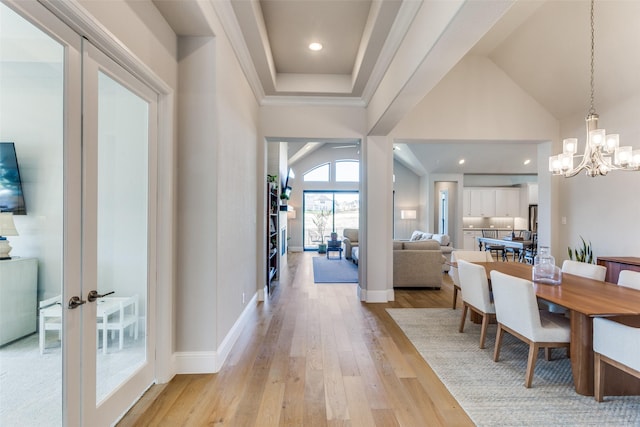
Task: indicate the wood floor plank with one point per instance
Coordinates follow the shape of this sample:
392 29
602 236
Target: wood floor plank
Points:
359 410
313 355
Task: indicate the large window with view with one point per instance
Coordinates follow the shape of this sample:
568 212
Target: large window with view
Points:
326 212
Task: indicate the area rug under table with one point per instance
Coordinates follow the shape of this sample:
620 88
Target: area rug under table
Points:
334 270
493 394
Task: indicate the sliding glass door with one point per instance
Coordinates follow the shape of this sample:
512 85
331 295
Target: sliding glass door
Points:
325 212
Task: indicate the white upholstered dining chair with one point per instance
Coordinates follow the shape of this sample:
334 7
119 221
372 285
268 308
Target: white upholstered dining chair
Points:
615 344
475 296
591 271
470 256
517 313
630 279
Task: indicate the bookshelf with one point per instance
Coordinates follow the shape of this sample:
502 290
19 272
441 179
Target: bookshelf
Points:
272 234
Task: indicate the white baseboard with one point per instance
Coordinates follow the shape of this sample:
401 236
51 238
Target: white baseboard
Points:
210 362
376 296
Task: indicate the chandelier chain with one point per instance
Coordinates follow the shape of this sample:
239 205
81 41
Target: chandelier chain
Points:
592 110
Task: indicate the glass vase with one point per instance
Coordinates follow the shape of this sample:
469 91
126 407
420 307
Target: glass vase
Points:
545 269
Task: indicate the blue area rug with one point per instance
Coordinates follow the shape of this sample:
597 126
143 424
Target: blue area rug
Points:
334 270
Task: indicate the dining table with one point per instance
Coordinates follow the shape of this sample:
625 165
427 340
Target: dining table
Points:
508 242
585 299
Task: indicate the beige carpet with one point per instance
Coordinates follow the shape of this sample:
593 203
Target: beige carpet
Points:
493 394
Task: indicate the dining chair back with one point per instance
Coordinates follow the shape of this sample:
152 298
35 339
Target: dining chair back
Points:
494 247
615 344
517 313
590 271
470 256
475 296
630 279
531 252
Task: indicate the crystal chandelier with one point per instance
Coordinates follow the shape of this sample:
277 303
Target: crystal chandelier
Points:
599 146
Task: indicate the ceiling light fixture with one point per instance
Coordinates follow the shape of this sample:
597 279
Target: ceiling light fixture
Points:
526 162
315 46
599 146
461 162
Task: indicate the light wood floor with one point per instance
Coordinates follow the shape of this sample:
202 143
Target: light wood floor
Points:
313 355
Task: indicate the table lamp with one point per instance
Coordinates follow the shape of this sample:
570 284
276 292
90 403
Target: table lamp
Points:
7 228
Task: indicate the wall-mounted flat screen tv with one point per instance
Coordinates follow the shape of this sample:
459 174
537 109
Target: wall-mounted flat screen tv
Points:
11 196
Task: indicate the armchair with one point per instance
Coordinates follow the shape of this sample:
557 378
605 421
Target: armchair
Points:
350 240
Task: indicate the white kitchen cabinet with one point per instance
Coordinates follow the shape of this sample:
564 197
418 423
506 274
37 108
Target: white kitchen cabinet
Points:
469 241
482 202
466 202
507 202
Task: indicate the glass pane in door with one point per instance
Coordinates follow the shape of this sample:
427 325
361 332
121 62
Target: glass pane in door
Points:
122 234
31 171
347 211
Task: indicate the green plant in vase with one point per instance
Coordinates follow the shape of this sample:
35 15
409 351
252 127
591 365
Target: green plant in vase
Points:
582 253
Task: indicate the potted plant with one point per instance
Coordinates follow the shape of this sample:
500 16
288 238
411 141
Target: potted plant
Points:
582 254
320 221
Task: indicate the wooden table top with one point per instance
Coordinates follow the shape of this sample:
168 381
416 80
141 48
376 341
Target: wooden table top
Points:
586 296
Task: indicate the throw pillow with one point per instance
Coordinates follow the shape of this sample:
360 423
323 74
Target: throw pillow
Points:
417 235
443 239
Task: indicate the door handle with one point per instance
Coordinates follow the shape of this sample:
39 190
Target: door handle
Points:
75 302
94 295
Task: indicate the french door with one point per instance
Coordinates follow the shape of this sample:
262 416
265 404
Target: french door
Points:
85 135
118 223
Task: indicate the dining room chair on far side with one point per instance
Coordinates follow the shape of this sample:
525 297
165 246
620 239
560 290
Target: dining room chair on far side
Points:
494 247
615 344
470 256
584 269
629 279
517 313
475 296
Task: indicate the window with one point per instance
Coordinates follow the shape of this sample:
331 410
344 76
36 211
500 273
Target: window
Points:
319 173
347 171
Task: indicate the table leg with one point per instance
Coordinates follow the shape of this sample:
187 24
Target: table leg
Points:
582 353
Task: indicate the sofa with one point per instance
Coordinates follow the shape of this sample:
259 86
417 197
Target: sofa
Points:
417 264
350 240
443 239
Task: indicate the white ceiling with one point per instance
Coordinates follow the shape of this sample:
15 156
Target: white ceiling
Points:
542 45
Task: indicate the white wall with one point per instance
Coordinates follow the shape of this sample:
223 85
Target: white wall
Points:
406 196
197 196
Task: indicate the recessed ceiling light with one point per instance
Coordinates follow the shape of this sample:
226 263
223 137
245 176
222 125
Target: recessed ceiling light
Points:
461 162
526 162
315 46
